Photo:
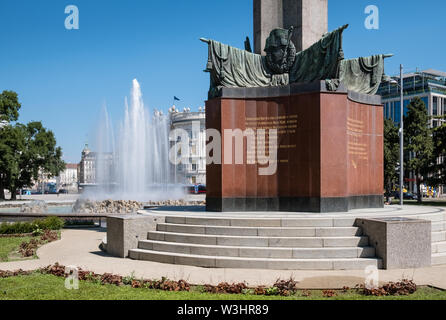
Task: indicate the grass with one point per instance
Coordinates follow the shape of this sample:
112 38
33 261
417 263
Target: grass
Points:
9 246
48 287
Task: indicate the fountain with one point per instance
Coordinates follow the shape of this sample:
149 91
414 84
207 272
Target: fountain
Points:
135 165
36 206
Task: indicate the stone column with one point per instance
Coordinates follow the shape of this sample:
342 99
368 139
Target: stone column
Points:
267 16
310 17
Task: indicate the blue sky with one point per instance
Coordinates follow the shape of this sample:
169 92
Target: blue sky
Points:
64 77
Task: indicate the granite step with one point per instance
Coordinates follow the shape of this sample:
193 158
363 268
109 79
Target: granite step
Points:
438 226
439 236
262 222
261 231
439 259
254 263
253 241
258 252
333 221
439 247
434 217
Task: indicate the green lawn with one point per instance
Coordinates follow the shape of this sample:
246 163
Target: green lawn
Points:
9 245
47 287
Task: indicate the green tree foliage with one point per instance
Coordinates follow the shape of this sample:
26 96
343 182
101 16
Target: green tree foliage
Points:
391 155
440 152
418 141
9 106
26 151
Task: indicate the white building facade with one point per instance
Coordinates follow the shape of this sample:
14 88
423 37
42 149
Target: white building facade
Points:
192 169
87 167
68 179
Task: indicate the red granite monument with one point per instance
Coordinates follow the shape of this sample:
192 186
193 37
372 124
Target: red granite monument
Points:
329 150
328 155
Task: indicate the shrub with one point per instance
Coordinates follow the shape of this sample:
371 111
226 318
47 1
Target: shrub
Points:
17 228
273 291
166 285
224 287
49 236
129 279
403 288
28 249
37 232
49 223
329 293
286 287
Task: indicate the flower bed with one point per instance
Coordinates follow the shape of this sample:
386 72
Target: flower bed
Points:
280 288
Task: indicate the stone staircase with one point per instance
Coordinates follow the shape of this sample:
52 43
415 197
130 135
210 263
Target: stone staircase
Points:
288 242
258 243
439 241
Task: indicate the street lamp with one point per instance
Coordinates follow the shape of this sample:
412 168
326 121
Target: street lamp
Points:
401 132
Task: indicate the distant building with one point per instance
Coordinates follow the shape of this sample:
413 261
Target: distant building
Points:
87 167
93 167
44 183
68 179
194 123
430 86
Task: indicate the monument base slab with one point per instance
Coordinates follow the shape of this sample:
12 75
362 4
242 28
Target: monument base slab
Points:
294 204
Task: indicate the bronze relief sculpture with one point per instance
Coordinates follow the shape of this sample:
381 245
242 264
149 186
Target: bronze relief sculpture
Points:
235 68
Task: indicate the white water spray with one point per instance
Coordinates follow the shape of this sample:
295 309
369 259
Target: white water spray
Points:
136 165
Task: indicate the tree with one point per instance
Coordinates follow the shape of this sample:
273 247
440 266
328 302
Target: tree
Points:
11 142
391 155
419 143
25 152
9 106
439 135
9 111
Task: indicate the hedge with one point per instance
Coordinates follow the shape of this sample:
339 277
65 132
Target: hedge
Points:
49 223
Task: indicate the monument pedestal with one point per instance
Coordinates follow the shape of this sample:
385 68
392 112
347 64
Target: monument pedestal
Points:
329 150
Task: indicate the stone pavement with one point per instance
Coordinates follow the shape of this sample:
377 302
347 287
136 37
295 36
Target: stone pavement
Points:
80 248
69 199
48 198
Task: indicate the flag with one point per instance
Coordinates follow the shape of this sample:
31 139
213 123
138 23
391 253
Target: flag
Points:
175 99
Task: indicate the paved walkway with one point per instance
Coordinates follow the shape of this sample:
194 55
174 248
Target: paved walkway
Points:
72 197
48 198
81 248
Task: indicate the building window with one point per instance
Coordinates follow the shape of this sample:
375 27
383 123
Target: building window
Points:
435 106
194 167
397 112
